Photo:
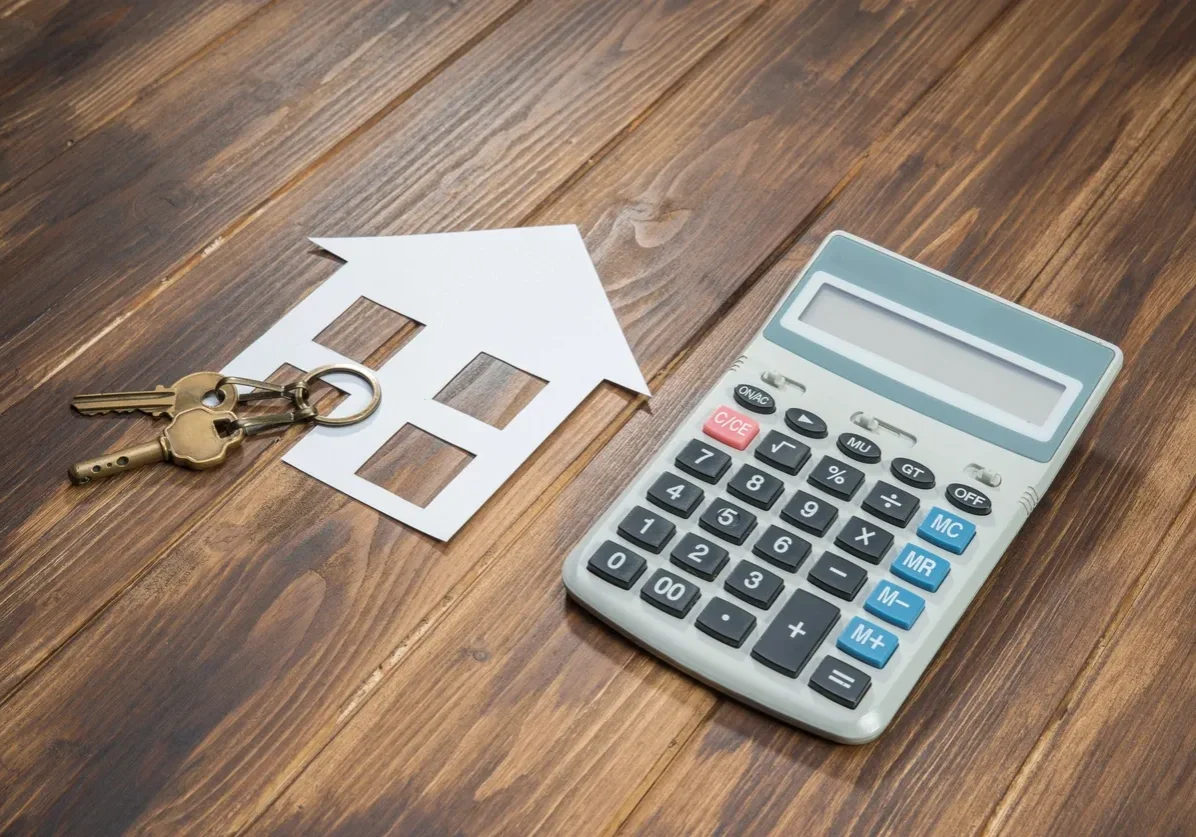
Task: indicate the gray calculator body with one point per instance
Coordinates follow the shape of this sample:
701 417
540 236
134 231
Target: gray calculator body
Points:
915 376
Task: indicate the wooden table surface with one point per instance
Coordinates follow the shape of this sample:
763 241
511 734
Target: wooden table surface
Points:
246 649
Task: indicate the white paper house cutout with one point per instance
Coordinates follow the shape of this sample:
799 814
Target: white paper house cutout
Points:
529 297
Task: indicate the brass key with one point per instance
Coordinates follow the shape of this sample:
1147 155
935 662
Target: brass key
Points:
187 392
193 440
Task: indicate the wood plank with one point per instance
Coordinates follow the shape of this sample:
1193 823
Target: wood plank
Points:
67 68
519 712
292 610
1117 758
98 231
524 123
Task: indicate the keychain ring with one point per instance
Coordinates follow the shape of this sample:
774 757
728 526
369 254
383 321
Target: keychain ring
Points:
304 383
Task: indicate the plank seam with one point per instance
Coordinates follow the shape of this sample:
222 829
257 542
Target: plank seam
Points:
237 225
167 74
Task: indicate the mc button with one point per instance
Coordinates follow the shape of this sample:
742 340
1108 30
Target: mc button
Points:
945 530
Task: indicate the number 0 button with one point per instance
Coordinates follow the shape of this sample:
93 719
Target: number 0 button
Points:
616 564
675 596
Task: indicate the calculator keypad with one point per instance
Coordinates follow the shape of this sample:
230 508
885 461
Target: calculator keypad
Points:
754 584
699 556
755 487
648 529
836 478
809 513
670 593
725 622
675 495
798 629
784 549
864 540
706 462
728 521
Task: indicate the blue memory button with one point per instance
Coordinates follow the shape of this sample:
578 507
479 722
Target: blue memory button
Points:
921 568
947 530
866 642
895 605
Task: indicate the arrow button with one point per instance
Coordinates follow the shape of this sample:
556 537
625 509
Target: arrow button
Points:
805 423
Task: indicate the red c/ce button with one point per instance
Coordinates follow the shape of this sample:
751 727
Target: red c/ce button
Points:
731 428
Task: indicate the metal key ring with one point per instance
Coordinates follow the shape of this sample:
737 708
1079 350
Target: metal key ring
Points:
304 383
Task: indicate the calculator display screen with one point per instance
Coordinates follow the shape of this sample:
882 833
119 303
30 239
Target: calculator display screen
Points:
908 342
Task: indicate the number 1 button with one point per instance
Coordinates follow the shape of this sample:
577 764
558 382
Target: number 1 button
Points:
647 529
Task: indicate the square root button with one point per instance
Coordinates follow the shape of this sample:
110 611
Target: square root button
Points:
947 530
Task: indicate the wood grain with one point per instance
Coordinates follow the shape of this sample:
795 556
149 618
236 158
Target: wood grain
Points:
303 611
616 47
142 199
68 68
50 533
526 717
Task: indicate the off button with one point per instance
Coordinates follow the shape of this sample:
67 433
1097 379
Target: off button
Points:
969 499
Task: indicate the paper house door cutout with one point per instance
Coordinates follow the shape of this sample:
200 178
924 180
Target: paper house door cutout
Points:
529 297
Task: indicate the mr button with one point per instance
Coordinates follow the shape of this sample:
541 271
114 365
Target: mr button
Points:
731 428
946 530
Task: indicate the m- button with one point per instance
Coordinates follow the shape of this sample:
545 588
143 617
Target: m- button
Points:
731 428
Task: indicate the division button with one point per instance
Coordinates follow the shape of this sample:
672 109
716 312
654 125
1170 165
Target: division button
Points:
675 495
809 513
754 399
947 530
731 428
858 447
969 499
867 642
648 529
725 622
698 555
864 540
706 462
727 520
795 633
754 584
782 452
784 549
674 595
838 576
805 423
836 478
912 473
891 504
895 605
844 684
756 487
616 564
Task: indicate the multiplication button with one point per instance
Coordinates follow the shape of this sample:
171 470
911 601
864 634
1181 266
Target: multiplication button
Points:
836 478
864 540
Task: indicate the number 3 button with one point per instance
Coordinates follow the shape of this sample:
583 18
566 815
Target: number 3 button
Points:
755 585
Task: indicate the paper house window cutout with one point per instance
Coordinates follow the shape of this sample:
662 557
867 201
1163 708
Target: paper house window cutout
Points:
528 297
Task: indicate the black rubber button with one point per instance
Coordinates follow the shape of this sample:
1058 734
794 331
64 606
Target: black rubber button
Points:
782 452
752 485
754 584
785 549
675 596
845 685
838 576
798 629
617 564
890 503
809 513
912 473
969 499
835 477
647 529
698 555
727 520
674 494
755 399
864 540
859 448
725 622
706 462
805 423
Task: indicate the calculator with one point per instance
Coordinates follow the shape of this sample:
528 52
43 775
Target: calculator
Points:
808 537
